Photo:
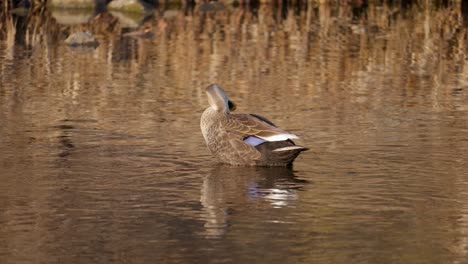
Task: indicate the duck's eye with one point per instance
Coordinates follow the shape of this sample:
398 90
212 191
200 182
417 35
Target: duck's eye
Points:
231 105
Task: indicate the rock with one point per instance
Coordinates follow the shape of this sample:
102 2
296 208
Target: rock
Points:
211 7
170 14
20 11
129 20
72 16
145 33
91 4
82 39
132 6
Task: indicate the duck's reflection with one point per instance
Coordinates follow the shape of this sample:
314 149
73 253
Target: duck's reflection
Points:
229 190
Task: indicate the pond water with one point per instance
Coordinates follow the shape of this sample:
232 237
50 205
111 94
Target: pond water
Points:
102 159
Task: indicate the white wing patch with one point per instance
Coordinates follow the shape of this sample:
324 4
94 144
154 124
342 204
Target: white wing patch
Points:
288 148
279 137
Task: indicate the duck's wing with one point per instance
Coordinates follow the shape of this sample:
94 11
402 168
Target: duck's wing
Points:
264 119
232 148
257 126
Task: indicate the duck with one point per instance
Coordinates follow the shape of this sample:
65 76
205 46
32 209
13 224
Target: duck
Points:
244 139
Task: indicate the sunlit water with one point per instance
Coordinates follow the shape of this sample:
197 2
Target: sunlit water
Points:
102 159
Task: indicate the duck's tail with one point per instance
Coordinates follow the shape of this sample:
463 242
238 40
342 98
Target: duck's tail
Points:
278 153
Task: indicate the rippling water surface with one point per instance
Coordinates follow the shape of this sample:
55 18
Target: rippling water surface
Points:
102 159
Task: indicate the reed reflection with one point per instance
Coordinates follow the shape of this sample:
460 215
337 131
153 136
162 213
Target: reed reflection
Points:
228 191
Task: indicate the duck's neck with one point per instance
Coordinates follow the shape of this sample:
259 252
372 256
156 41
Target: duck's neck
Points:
210 123
213 116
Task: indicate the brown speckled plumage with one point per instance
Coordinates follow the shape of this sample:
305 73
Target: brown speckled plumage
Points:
225 133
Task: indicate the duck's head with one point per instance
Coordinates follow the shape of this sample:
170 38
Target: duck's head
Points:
218 99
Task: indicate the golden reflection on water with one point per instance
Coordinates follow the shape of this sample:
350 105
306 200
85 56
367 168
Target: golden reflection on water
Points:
229 188
101 157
